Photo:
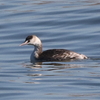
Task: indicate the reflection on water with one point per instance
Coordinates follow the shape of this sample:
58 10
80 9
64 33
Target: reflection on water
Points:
59 65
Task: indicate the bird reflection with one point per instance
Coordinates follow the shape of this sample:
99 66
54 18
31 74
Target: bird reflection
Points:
61 65
38 70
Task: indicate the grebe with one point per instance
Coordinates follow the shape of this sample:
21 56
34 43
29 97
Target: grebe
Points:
49 55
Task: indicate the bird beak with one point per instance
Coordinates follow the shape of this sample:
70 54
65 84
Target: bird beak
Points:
25 43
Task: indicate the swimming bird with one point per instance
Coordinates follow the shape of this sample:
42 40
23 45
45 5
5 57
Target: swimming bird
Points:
51 54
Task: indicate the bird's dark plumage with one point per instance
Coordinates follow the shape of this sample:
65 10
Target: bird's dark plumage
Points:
57 55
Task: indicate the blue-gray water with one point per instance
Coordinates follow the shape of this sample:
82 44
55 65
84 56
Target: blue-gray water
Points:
67 24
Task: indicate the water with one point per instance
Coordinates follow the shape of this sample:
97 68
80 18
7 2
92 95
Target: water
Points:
67 24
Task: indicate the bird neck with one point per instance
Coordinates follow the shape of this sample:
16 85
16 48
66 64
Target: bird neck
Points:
36 52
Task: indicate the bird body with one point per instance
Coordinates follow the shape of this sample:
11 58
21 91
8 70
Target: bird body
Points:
49 55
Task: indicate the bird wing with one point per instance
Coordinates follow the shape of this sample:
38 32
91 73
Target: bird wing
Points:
57 55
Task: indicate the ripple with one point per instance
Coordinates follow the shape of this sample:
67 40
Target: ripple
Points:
72 25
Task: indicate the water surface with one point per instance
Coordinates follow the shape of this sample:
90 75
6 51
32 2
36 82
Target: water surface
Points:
65 24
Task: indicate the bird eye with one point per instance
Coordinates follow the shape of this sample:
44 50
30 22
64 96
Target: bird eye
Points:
28 40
